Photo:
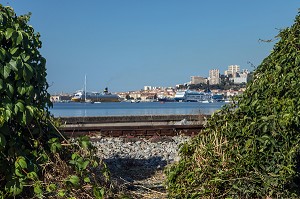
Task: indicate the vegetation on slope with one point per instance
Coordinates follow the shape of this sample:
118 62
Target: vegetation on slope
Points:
36 161
250 149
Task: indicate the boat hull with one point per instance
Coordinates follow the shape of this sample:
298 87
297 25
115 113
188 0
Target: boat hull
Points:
95 97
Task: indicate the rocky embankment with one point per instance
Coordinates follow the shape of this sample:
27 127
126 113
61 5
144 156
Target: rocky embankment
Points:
139 162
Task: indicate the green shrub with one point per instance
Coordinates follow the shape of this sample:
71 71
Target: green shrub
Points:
35 159
250 148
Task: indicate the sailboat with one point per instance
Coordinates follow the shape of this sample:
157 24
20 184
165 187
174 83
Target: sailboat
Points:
92 97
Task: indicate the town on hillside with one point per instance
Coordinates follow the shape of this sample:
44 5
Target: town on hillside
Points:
215 87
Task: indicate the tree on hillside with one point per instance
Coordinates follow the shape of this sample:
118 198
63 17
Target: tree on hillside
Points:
250 149
35 159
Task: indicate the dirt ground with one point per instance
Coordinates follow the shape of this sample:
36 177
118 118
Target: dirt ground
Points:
138 180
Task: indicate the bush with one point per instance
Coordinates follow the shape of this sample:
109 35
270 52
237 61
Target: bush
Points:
249 149
35 159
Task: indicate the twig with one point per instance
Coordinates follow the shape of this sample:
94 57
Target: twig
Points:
150 189
58 130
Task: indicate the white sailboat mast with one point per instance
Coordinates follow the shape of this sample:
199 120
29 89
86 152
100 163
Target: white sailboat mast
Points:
85 88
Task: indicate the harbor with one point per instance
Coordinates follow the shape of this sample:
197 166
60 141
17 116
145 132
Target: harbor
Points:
73 109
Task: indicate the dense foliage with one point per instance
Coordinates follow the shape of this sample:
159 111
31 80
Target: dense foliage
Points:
35 159
250 149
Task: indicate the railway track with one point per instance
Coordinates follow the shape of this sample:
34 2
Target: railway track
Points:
143 131
133 126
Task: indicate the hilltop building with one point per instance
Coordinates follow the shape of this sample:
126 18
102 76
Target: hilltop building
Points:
147 88
198 80
232 71
241 77
214 76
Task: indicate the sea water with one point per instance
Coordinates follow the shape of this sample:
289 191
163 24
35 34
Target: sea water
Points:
126 108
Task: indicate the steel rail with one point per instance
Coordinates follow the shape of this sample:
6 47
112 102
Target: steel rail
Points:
134 131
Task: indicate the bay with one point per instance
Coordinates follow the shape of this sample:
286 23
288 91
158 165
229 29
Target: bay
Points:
73 109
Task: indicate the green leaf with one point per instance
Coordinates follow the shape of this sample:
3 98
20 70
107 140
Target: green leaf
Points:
32 175
85 164
98 192
2 141
25 57
84 142
9 32
13 65
21 162
14 50
87 179
21 90
20 106
2 54
61 192
19 172
27 72
19 38
10 89
248 143
50 187
26 118
74 180
1 84
37 189
7 115
7 70
14 187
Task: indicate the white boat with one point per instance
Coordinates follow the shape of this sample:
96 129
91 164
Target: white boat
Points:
95 97
192 96
92 97
180 95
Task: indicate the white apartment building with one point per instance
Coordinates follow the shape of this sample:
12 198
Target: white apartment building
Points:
241 77
232 70
147 88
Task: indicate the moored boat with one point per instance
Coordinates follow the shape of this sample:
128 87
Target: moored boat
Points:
192 96
105 96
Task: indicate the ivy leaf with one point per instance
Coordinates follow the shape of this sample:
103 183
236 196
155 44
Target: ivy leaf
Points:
98 192
25 57
21 90
13 50
84 142
1 84
7 70
37 189
31 110
9 33
13 65
20 106
51 187
74 180
27 72
2 141
87 179
32 175
21 162
14 187
7 115
85 164
19 38
10 89
2 53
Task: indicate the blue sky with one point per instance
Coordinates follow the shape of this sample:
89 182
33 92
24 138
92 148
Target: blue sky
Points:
126 44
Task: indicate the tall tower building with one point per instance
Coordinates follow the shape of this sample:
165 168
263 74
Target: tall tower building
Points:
214 76
232 70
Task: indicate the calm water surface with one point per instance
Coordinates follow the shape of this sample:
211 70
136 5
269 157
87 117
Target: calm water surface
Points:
126 108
